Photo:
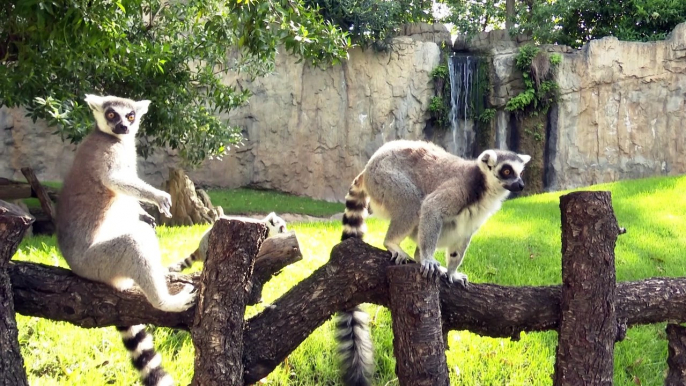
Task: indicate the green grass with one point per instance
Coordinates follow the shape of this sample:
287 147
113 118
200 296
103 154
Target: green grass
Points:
520 245
249 201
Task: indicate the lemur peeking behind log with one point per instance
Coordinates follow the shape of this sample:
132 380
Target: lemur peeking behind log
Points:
275 224
437 199
99 230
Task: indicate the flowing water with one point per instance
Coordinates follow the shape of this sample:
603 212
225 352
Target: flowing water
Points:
464 86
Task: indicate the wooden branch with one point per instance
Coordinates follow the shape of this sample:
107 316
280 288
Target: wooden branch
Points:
588 321
15 190
355 274
417 335
217 330
676 360
13 224
41 193
275 254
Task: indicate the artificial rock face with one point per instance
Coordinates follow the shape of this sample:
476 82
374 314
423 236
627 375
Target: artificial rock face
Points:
308 131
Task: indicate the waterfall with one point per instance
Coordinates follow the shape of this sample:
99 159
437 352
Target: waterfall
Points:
464 78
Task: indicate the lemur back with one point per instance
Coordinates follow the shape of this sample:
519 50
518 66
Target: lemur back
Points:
437 199
99 227
275 224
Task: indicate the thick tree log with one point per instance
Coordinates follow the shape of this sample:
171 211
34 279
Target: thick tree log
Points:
13 224
355 274
217 330
417 335
276 253
676 360
588 321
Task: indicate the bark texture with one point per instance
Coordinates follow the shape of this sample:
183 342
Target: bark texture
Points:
13 223
355 274
276 253
417 334
187 208
676 360
217 329
588 321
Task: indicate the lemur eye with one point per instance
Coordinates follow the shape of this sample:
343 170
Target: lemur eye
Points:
110 115
130 117
506 172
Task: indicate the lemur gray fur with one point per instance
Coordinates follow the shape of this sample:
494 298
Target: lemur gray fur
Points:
275 224
437 199
101 230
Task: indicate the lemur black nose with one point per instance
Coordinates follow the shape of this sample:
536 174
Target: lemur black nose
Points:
120 129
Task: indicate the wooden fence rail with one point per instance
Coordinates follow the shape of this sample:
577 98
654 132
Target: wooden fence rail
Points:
357 273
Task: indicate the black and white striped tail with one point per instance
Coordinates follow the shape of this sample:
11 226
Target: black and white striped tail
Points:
185 263
356 203
143 356
355 347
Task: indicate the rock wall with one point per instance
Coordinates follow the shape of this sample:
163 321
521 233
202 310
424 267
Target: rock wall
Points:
310 131
621 113
307 131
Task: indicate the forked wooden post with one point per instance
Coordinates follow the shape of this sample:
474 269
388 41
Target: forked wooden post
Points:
217 331
13 224
417 334
676 360
588 320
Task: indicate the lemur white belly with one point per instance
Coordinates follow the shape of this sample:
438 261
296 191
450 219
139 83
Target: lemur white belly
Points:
121 214
463 226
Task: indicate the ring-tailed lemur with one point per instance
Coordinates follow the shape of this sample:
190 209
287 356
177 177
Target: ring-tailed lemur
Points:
275 224
437 199
99 228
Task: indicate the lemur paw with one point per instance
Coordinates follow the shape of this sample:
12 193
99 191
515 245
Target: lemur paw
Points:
164 203
431 269
458 278
148 219
399 256
181 301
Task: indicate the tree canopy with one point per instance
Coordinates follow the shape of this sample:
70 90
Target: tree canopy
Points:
171 52
569 22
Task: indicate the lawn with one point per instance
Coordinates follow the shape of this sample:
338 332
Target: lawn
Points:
250 201
520 245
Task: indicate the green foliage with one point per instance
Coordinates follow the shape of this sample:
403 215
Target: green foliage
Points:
486 116
439 109
372 22
518 246
441 72
173 53
541 91
575 22
471 17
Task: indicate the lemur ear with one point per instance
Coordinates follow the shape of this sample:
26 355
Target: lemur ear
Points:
94 102
489 158
525 158
142 107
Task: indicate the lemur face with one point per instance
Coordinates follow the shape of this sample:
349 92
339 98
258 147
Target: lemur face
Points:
275 224
117 116
505 168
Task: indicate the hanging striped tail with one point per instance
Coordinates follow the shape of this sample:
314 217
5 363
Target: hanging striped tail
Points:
143 356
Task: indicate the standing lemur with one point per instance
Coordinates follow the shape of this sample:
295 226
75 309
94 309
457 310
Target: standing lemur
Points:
99 227
275 224
437 199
